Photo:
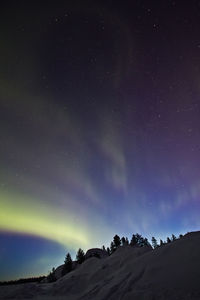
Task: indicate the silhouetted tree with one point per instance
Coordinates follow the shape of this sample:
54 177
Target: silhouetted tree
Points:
80 256
123 241
51 277
112 248
103 248
139 240
180 236
116 241
168 240
161 243
108 250
127 241
146 242
154 242
173 238
67 264
143 242
133 240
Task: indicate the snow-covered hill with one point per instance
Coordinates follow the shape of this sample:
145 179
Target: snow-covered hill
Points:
168 272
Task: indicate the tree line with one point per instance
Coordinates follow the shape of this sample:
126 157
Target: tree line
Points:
136 240
23 280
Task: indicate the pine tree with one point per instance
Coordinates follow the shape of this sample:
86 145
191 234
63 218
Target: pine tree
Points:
154 242
180 236
173 238
146 242
80 256
123 241
168 240
161 243
112 248
116 241
133 240
67 264
139 239
127 241
103 248
108 250
51 277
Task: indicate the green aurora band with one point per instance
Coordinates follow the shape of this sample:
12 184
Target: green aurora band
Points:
21 215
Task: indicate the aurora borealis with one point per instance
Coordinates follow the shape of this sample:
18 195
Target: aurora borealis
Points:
99 123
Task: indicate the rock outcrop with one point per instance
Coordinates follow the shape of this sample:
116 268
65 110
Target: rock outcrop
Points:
96 252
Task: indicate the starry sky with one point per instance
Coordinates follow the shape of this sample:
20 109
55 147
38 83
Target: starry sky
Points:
99 126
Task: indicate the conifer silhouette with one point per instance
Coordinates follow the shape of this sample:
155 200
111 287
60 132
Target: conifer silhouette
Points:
103 248
67 264
123 241
161 243
80 256
127 241
173 238
116 241
168 240
154 242
112 248
108 250
133 240
51 277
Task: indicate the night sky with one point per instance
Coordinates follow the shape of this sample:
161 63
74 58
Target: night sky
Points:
99 126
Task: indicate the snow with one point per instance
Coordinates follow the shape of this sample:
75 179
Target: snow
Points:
169 272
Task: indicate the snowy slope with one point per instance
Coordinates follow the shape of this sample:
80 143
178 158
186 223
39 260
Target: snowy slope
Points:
169 272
